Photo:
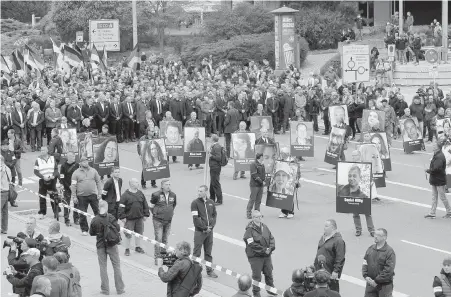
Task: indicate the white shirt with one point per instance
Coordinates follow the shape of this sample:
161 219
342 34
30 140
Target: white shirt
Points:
118 192
130 109
35 117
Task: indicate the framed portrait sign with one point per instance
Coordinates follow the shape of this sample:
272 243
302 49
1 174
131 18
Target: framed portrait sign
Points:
171 131
243 150
69 138
335 145
154 159
270 154
282 188
261 122
301 139
353 187
411 135
105 153
373 120
194 145
380 140
338 115
85 145
370 154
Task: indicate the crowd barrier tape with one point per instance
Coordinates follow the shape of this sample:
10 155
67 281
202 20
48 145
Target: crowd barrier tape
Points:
162 245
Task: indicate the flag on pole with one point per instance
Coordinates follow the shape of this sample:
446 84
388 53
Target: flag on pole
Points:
105 57
56 49
133 59
72 56
4 65
7 77
96 62
18 60
61 65
38 63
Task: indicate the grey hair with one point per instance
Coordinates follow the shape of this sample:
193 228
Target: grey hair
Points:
184 247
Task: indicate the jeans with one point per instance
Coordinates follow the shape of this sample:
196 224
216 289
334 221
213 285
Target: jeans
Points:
162 231
18 169
379 291
137 226
427 125
36 139
228 138
254 200
215 185
83 203
67 197
354 127
261 265
220 126
326 121
358 222
206 240
439 191
44 188
314 118
5 195
275 120
102 254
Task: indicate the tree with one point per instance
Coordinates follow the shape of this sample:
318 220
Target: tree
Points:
22 10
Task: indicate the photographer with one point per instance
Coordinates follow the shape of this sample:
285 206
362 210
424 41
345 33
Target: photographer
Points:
298 287
21 280
322 277
184 278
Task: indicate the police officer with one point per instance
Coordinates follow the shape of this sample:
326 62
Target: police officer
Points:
259 246
152 133
285 156
65 178
162 205
193 122
204 215
46 168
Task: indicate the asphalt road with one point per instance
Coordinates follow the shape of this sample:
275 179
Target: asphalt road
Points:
420 244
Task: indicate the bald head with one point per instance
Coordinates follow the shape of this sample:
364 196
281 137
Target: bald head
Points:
134 184
244 283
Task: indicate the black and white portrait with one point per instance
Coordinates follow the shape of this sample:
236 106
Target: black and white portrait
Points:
194 139
243 145
172 131
353 180
69 139
153 153
283 180
301 133
373 120
105 150
338 115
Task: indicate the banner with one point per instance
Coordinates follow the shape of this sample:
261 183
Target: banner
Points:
261 122
154 159
270 155
353 188
411 135
380 140
301 139
370 154
194 146
338 115
282 188
171 131
243 150
106 154
335 145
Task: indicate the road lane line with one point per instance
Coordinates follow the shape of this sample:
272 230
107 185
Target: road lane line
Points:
402 164
344 277
126 168
426 247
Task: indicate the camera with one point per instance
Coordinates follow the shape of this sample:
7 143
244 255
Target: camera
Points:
17 240
309 279
168 259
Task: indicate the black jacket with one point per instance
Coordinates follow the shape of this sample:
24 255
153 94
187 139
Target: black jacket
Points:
109 190
56 148
204 214
258 174
215 156
66 172
162 210
334 249
258 240
437 170
133 206
379 264
296 289
97 228
438 283
27 280
175 276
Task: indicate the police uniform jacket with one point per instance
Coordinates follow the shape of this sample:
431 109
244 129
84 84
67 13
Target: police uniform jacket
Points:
257 240
204 214
133 206
163 209
379 264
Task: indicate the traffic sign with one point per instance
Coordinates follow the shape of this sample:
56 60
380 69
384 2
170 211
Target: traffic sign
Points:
431 56
355 62
105 33
79 36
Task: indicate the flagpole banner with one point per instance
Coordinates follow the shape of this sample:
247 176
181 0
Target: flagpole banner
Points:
194 145
261 122
85 145
353 188
154 159
338 115
70 141
411 135
301 139
370 154
243 150
380 140
270 154
171 131
283 185
335 145
106 154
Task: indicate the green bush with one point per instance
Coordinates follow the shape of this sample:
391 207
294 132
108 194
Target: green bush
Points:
10 25
335 62
239 49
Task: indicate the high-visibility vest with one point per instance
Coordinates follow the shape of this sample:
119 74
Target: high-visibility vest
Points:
46 167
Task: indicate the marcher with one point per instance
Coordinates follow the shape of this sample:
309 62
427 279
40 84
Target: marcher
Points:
152 133
6 179
66 171
193 122
55 145
215 170
162 206
442 283
59 284
378 267
256 184
46 168
230 125
133 211
112 191
259 246
286 157
204 215
16 146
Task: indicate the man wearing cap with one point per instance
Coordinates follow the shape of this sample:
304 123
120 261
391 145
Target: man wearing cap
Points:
19 280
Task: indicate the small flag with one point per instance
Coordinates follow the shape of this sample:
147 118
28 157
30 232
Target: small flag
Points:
4 65
61 65
56 49
95 55
72 56
133 59
18 61
105 57
39 63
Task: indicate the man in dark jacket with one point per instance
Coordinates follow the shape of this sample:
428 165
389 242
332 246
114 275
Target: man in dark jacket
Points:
442 283
97 228
437 180
65 178
178 277
162 205
133 211
272 107
112 191
16 146
259 246
56 146
322 279
215 170
230 125
378 266
331 253
256 183
297 288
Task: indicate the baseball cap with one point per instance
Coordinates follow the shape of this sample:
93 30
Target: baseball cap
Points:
32 252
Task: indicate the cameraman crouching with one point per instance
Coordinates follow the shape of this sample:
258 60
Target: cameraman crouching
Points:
184 278
322 278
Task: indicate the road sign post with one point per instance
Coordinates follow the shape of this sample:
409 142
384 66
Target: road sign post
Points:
105 33
79 36
355 63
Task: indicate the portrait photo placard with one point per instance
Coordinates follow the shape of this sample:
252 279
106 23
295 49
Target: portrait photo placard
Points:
353 187
243 150
335 145
370 154
283 185
69 139
380 140
106 153
261 122
171 131
373 120
270 154
301 139
411 135
85 142
194 145
338 115
153 156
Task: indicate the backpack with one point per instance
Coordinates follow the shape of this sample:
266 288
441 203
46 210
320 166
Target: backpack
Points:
55 247
191 284
224 159
111 235
74 287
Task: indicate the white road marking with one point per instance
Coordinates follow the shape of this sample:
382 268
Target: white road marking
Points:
27 201
426 247
27 181
344 277
35 178
126 168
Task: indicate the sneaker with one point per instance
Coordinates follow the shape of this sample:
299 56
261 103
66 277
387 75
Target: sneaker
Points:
271 293
144 186
139 250
127 252
429 216
282 215
235 176
84 233
4 232
358 233
212 274
447 216
154 186
290 215
242 176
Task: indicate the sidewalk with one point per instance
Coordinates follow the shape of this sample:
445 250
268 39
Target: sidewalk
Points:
139 279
